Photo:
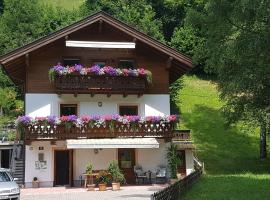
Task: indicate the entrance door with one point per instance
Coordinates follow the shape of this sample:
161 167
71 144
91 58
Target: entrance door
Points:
126 161
62 162
5 157
182 167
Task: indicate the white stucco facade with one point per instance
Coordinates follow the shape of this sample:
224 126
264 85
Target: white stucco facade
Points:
38 105
149 159
49 104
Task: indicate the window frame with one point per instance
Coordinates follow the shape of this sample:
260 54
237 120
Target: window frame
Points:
128 105
134 60
68 104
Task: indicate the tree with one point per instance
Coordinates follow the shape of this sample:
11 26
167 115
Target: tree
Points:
7 99
26 20
138 14
237 46
1 6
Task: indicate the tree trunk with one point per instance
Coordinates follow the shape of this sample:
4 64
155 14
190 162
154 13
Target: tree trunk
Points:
263 148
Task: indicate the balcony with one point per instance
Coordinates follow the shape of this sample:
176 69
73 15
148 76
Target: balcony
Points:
94 84
117 130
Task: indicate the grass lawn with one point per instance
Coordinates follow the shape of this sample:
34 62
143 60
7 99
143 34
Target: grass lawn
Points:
230 154
68 4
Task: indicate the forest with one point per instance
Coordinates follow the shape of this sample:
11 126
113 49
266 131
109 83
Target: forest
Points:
229 41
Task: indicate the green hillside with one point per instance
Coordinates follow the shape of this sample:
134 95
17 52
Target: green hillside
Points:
68 4
230 154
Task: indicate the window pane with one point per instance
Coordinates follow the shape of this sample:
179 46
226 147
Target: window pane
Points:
4 177
101 63
126 64
125 159
128 110
70 61
66 109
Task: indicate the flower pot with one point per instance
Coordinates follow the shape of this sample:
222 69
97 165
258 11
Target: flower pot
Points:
102 186
115 186
172 181
179 176
35 184
90 187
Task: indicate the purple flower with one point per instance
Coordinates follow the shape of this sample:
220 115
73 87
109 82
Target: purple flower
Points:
72 118
95 69
24 120
95 117
58 68
115 117
78 67
52 119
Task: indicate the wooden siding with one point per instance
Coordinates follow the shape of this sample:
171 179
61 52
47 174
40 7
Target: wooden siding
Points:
42 59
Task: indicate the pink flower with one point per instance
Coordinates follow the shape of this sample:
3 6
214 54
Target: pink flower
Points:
64 118
125 72
172 118
141 71
40 119
107 117
85 118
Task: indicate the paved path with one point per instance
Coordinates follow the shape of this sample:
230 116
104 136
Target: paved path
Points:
62 193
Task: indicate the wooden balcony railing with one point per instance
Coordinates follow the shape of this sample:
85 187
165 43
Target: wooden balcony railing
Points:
57 132
181 135
100 84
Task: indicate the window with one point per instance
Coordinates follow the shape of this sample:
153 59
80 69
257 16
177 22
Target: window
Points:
126 64
128 110
68 109
100 63
4 177
41 157
71 61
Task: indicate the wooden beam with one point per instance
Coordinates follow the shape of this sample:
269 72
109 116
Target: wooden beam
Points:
169 63
100 26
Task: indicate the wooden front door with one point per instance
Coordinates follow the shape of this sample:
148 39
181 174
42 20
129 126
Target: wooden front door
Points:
63 167
182 167
126 161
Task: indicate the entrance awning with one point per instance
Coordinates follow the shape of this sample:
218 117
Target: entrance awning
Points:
143 143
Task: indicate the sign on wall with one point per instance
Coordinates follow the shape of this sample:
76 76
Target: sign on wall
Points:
41 164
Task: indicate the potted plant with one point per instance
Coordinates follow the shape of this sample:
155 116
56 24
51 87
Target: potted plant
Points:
35 182
116 174
88 173
173 161
102 180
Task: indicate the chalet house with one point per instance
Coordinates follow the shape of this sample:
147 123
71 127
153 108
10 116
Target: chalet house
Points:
96 91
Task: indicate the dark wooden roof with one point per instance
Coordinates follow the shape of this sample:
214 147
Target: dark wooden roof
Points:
180 62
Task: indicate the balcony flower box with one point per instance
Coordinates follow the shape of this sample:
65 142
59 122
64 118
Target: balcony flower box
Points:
99 79
95 126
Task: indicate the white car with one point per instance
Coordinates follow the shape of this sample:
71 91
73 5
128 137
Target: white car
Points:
9 189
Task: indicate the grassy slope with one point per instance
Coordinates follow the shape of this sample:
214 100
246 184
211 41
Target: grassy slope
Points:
68 4
230 154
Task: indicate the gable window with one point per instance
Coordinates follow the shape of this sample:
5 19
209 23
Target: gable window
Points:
128 63
68 109
128 110
71 61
